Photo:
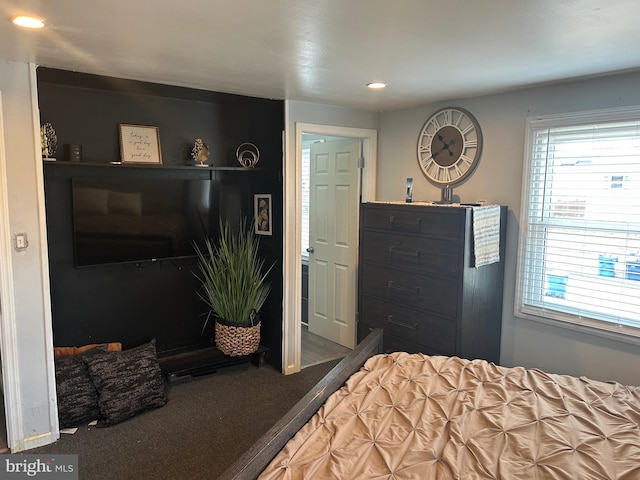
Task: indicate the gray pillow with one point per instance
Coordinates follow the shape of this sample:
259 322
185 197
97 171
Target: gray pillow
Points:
128 382
77 396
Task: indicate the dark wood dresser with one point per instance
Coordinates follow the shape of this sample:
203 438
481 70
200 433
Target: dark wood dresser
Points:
418 282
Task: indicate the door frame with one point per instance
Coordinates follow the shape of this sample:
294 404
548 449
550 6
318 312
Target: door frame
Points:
292 256
8 336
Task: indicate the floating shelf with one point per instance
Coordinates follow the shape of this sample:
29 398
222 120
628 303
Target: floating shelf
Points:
152 166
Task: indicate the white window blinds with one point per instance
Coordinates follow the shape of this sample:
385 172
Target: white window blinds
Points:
306 183
580 236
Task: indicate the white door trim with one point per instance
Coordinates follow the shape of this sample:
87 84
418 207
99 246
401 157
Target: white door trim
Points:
54 433
8 336
13 382
292 256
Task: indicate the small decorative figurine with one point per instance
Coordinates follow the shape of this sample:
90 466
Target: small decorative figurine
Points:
200 152
247 154
48 141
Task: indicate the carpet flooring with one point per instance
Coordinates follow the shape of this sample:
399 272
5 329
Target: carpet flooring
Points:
207 423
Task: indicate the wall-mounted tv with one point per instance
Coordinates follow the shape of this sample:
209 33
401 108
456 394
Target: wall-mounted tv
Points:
117 220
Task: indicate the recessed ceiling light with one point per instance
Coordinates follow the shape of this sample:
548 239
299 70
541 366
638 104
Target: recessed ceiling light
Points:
376 85
28 22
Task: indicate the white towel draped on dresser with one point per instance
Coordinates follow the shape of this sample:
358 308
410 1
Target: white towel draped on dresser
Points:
486 235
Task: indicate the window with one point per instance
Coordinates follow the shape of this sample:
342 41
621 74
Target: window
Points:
580 231
306 183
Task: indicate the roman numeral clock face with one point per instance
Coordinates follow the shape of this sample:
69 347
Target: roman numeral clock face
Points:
449 146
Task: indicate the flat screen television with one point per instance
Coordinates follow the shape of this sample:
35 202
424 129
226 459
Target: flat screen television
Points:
118 220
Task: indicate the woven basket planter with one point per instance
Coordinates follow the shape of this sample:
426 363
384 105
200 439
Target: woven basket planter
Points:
236 341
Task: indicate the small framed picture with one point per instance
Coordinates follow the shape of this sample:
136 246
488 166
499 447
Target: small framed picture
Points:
140 144
262 213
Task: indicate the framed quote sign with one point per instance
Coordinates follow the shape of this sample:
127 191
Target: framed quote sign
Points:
140 144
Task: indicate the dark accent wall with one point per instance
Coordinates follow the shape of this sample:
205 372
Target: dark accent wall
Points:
132 303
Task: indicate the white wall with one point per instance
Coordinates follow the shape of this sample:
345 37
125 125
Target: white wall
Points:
306 112
498 179
27 337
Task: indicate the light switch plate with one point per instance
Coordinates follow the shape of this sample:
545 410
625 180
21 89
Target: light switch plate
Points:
20 242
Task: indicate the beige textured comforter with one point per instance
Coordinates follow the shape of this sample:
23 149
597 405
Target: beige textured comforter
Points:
415 416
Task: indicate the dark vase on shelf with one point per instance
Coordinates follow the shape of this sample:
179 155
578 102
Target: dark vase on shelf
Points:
72 152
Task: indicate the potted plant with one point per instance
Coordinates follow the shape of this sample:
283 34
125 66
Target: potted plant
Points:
234 287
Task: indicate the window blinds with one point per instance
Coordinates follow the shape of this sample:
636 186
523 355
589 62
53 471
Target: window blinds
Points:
306 184
581 258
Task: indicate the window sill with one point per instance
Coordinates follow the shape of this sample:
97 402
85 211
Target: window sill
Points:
584 329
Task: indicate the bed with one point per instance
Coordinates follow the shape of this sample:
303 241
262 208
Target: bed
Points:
401 415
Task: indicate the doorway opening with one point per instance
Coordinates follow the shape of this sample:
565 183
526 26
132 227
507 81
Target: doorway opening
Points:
293 327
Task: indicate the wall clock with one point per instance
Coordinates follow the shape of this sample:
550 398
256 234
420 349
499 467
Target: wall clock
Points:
449 146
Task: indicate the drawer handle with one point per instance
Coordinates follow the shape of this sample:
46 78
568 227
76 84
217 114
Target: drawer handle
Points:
410 326
407 253
414 291
416 223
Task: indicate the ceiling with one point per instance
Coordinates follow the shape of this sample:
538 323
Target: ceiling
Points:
325 51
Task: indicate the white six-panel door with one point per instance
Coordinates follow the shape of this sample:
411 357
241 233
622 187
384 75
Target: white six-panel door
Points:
333 235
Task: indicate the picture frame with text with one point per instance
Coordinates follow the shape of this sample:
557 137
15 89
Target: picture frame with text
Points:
140 144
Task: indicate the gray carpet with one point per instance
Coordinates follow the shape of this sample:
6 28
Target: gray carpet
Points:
206 424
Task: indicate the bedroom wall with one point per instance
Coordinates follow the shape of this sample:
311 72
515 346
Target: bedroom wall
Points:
498 180
27 348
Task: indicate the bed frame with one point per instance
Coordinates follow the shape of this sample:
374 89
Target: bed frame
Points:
258 457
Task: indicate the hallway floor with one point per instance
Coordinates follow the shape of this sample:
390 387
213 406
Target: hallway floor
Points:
317 349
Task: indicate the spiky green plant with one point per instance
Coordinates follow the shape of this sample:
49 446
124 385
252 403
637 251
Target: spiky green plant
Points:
233 284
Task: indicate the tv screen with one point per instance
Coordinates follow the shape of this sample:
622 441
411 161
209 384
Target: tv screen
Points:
118 220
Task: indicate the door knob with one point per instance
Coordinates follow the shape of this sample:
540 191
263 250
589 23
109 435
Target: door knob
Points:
310 250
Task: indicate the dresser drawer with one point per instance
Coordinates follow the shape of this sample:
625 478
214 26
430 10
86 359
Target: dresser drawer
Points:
395 344
434 333
436 257
416 219
416 291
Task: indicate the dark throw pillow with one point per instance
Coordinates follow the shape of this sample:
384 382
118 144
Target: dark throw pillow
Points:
77 396
128 382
